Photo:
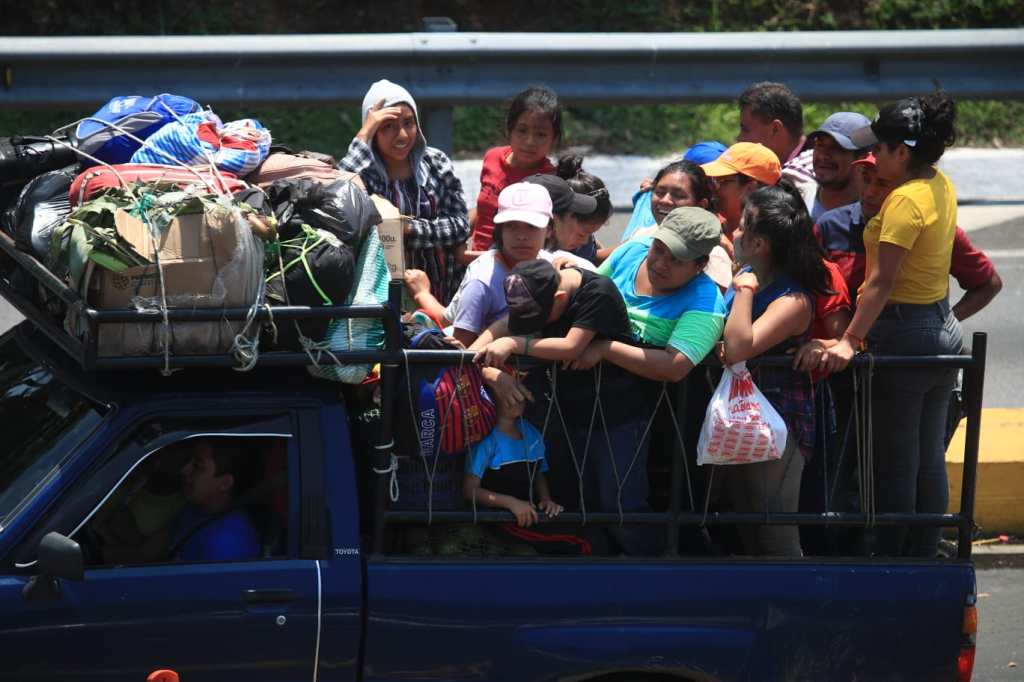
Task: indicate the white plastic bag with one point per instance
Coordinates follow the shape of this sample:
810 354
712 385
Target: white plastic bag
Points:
740 426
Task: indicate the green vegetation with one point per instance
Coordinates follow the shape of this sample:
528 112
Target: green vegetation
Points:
653 129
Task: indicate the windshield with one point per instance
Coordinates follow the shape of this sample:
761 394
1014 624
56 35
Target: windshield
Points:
43 421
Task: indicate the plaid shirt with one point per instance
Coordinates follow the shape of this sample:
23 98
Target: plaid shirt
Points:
439 221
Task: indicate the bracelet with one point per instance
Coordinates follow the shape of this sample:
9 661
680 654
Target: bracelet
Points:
860 341
752 288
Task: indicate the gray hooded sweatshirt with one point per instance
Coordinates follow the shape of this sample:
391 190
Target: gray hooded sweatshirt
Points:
432 197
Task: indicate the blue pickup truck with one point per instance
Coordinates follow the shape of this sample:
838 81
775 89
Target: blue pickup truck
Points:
331 596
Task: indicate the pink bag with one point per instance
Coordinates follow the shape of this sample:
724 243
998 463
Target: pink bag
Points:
740 425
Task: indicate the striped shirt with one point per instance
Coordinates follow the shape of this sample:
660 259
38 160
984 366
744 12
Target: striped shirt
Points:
799 169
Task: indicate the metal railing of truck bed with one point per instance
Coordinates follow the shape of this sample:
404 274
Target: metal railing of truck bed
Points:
392 357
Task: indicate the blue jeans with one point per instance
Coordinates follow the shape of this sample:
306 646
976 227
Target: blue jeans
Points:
909 414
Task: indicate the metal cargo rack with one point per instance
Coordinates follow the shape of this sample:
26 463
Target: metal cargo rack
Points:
392 358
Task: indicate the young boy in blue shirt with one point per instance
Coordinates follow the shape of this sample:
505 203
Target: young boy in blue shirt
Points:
508 465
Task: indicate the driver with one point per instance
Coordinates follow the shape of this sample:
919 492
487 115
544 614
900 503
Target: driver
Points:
209 527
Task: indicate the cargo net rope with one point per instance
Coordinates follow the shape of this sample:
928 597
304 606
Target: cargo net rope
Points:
245 343
858 423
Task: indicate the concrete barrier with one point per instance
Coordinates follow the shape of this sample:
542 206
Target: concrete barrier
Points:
999 498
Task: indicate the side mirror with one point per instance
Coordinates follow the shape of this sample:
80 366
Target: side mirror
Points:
59 557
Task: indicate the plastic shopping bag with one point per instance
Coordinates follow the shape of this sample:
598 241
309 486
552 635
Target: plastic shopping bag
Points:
740 426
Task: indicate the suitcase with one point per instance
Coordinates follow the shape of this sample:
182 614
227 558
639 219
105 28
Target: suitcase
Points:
100 178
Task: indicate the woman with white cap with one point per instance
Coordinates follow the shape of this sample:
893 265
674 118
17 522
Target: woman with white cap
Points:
392 157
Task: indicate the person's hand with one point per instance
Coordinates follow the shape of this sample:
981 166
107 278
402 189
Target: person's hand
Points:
726 244
720 352
507 391
562 262
592 354
836 358
455 342
417 282
745 279
646 184
809 356
550 508
496 353
525 513
377 116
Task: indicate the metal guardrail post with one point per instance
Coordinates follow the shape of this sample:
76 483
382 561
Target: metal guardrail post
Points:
974 386
439 119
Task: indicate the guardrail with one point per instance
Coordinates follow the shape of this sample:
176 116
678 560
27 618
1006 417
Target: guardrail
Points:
451 68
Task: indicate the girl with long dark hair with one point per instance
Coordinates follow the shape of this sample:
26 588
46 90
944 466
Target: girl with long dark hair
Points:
771 308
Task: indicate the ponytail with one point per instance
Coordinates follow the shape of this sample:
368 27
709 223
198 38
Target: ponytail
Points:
927 125
778 214
570 169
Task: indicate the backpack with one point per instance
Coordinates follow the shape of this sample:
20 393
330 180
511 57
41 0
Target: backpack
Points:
451 409
140 116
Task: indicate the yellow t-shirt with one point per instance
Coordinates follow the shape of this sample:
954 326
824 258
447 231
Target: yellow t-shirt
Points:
919 216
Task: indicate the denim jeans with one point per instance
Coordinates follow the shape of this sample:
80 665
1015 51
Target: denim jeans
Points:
909 417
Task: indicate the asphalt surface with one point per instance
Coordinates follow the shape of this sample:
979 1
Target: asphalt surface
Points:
1000 653
1002 319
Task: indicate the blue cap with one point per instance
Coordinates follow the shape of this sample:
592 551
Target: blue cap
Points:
841 126
704 152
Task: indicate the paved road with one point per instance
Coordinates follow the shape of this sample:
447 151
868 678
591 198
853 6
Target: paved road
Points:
1000 626
1002 319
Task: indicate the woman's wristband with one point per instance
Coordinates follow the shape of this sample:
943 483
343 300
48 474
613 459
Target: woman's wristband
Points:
857 341
752 288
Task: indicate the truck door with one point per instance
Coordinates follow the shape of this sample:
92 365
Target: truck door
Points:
208 617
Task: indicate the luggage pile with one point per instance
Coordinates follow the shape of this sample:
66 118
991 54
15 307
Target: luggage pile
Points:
154 204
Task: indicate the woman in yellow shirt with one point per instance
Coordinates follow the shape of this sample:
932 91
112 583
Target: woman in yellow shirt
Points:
903 309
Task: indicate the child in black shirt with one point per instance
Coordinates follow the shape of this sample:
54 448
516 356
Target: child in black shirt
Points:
567 309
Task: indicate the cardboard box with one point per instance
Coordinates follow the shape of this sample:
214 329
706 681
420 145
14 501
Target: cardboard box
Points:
194 252
392 235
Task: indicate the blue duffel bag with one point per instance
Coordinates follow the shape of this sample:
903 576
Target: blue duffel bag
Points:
140 116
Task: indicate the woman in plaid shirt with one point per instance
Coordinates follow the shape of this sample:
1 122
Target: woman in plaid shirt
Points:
392 157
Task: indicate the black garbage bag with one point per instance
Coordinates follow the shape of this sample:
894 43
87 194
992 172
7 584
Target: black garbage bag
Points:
23 158
315 268
340 207
41 206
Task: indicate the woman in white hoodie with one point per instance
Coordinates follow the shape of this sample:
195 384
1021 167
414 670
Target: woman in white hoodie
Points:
392 157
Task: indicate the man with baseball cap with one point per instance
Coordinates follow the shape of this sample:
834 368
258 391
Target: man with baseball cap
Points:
834 152
740 169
